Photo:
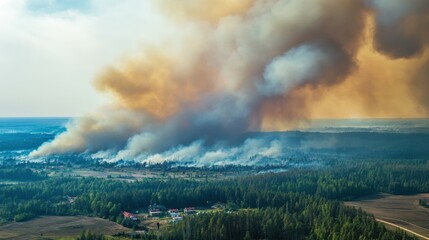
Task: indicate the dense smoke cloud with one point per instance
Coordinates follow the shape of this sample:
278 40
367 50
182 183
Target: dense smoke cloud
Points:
401 29
236 67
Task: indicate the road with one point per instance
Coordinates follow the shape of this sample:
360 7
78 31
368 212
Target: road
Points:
398 211
402 228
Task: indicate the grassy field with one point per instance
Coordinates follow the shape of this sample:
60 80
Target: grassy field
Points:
54 227
400 210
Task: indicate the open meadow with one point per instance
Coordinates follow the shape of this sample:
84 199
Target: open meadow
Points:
401 210
54 227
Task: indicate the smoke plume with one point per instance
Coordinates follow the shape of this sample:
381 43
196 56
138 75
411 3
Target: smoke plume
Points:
246 65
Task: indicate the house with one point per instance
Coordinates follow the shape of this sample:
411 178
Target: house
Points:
174 213
130 216
173 210
155 213
156 210
189 210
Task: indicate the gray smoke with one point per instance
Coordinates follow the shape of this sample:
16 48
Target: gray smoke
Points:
224 75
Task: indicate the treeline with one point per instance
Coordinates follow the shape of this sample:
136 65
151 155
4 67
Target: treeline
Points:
349 180
314 219
20 174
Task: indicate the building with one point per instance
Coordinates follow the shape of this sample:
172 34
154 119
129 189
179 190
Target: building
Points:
155 213
156 210
189 210
173 210
174 213
130 216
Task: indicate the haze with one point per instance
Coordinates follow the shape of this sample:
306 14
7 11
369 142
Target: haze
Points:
51 51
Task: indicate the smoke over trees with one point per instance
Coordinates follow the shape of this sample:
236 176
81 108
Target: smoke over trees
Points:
248 65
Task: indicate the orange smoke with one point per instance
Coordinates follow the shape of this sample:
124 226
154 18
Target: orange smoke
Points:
211 11
379 87
153 84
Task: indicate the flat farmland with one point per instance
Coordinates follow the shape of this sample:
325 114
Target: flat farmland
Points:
53 227
398 210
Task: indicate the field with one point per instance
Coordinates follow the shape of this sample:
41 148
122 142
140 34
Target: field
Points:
54 227
400 210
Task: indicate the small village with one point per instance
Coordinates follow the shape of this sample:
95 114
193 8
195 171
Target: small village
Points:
159 215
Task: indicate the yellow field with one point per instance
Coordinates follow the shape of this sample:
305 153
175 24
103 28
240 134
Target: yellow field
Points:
54 227
400 210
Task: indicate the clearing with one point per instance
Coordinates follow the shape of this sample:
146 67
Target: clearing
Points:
53 227
398 210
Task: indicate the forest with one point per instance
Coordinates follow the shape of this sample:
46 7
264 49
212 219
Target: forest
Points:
297 204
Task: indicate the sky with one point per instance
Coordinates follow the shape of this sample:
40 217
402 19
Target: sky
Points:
52 50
